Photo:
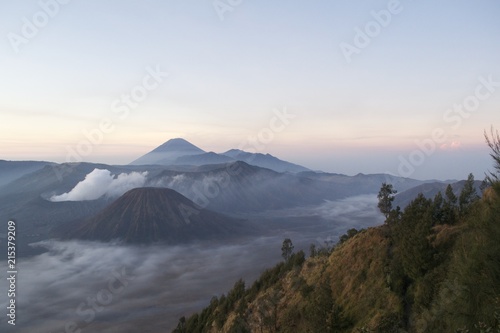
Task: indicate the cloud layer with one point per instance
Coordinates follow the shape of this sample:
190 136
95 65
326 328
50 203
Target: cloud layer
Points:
101 182
114 288
75 283
348 210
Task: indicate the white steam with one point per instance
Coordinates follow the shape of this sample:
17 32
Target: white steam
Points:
101 182
170 181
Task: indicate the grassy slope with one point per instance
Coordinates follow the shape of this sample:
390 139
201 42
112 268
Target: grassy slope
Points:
356 271
357 280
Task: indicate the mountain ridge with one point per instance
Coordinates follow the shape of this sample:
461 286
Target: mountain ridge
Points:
179 151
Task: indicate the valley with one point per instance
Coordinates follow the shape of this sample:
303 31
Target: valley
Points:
185 232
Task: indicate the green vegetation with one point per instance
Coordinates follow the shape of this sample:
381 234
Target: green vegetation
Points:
432 267
494 144
385 198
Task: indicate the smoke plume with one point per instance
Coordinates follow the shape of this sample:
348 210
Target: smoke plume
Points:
100 183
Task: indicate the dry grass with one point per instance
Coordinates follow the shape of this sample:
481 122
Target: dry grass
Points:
358 280
444 234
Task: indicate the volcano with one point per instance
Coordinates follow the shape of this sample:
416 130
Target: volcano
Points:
168 153
149 215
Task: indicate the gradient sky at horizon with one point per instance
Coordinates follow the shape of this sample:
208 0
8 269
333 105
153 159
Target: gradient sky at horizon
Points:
226 78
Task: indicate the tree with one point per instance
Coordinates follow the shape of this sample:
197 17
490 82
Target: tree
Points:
349 234
297 259
313 251
451 198
438 213
449 207
181 326
287 249
394 216
321 313
385 198
412 238
468 194
236 294
494 144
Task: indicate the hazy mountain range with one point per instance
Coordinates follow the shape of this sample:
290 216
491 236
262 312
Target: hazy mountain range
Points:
45 196
188 223
181 152
12 170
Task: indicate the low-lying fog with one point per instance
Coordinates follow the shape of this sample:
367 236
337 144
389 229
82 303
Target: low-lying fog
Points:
96 287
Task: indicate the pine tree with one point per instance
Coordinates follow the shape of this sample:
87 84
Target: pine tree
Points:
468 195
450 214
437 209
494 144
412 238
451 198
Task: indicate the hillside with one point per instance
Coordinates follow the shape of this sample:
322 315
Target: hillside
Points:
435 267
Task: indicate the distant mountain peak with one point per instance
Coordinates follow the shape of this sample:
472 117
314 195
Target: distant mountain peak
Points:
178 144
168 152
178 151
233 152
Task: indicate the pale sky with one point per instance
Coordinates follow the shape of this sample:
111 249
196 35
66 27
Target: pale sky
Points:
365 83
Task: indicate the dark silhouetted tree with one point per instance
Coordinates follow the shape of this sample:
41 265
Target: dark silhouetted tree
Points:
450 209
181 326
412 237
312 251
468 195
494 144
437 209
451 198
287 249
385 198
350 233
